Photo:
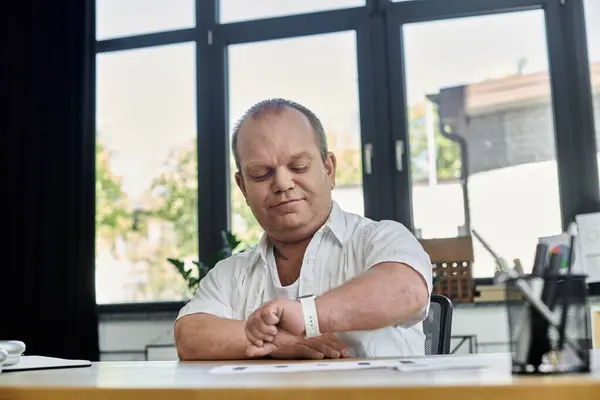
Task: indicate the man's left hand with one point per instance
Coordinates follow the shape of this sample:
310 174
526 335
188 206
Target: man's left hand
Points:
263 324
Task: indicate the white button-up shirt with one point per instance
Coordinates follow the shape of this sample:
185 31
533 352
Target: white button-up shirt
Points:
346 246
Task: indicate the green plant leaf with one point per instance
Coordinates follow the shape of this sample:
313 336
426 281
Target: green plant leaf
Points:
230 243
193 283
180 265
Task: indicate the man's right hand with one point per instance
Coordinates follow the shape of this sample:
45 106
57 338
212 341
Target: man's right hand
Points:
324 346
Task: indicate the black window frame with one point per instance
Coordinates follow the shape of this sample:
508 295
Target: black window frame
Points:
571 97
382 101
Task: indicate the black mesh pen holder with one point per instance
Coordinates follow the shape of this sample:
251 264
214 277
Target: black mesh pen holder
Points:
543 339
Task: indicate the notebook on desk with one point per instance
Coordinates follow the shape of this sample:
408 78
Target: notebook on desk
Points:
30 363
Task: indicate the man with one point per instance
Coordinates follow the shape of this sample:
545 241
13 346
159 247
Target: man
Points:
322 283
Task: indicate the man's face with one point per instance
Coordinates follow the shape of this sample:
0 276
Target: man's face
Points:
283 176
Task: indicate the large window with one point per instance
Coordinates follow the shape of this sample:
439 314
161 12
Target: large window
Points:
318 72
241 10
454 89
592 19
146 172
118 18
497 101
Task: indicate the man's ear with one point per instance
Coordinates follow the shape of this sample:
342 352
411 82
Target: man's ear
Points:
330 167
239 180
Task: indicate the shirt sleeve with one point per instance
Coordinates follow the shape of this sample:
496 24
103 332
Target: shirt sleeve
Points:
390 241
214 293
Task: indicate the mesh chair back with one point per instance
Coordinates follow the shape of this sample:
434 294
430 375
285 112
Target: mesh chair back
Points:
438 325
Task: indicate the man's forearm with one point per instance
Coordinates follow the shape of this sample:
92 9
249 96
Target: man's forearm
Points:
206 337
387 294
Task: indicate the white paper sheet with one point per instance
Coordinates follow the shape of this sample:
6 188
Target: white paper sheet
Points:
589 244
439 363
404 365
301 367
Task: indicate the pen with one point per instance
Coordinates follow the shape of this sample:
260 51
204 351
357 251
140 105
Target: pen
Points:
518 267
540 340
537 272
531 316
541 250
540 344
568 286
551 283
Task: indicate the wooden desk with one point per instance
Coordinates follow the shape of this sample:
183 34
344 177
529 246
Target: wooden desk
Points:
174 381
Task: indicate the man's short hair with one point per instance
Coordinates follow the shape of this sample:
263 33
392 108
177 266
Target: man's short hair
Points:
277 105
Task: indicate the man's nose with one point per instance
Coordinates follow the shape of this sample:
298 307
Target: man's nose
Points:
283 180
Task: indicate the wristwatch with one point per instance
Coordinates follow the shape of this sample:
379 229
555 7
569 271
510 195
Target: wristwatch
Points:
311 320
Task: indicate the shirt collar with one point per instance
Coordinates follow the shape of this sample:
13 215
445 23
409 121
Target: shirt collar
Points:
336 224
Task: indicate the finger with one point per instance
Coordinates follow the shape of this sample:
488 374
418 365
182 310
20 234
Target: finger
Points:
259 329
250 334
337 343
333 342
304 351
327 351
266 329
255 351
256 333
270 315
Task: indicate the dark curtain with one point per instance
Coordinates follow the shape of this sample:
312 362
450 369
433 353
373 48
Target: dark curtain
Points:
47 295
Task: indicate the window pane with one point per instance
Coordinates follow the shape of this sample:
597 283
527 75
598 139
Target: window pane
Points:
497 99
327 85
242 10
117 18
592 20
146 172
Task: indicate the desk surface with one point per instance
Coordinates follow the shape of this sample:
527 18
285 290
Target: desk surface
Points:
191 380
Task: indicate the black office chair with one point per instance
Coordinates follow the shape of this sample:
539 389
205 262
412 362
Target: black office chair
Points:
438 325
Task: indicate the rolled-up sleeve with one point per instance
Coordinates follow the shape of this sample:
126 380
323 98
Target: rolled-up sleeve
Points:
214 293
390 241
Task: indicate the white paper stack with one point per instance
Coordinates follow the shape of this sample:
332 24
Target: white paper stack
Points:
588 226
